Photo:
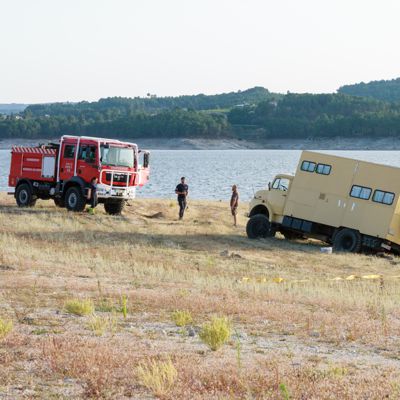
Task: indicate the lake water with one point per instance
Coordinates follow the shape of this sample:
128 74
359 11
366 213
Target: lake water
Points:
210 173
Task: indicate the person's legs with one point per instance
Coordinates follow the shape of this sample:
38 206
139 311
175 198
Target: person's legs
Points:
234 211
182 206
93 201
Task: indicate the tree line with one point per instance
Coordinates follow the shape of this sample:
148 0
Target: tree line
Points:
318 115
387 90
166 124
285 116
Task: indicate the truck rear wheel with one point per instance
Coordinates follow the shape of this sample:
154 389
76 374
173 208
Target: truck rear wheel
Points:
24 196
114 207
259 226
74 200
347 240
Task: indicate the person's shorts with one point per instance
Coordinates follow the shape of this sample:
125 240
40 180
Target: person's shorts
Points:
234 210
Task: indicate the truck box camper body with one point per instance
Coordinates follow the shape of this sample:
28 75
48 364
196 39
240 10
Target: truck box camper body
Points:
63 171
349 203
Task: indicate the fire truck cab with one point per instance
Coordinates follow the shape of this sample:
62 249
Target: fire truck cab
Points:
63 172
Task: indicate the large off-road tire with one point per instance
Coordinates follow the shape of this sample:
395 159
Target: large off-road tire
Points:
74 200
24 196
258 226
347 240
59 202
114 207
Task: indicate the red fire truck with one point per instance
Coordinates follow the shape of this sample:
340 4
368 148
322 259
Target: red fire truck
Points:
63 171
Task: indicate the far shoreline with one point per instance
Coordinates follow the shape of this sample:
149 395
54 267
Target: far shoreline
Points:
336 143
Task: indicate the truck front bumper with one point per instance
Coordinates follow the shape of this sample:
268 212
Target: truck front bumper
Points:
116 192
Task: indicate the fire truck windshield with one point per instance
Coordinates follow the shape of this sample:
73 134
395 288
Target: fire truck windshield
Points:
117 156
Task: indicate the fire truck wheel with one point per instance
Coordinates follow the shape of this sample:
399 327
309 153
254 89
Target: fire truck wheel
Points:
24 196
74 200
115 207
259 226
347 240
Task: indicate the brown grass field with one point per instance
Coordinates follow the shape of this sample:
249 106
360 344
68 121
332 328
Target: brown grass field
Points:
297 333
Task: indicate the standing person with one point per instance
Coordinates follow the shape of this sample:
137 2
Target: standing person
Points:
92 195
234 203
182 190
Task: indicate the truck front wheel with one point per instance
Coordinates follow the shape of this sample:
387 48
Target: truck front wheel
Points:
259 226
24 196
347 240
114 207
74 200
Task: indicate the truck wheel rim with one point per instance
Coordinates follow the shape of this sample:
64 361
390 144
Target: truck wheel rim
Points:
72 200
347 242
23 196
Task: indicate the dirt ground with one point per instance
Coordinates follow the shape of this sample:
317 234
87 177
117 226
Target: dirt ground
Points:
304 325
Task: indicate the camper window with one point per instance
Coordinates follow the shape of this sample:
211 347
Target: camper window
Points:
360 192
323 169
308 166
383 197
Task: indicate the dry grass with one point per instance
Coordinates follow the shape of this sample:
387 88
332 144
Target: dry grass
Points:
79 307
181 317
5 327
158 376
315 337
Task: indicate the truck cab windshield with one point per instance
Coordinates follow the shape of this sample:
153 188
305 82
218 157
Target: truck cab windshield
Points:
117 156
281 184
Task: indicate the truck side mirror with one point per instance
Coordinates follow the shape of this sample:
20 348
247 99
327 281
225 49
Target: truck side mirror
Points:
146 160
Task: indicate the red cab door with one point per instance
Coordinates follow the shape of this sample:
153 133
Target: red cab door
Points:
67 160
87 164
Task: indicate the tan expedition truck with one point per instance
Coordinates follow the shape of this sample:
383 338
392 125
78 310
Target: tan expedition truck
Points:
348 203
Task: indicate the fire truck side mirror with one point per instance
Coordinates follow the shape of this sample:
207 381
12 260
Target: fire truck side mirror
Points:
146 160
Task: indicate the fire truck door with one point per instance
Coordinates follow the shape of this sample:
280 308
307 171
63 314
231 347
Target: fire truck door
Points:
67 161
87 165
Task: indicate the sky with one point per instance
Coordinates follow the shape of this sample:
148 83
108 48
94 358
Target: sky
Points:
73 50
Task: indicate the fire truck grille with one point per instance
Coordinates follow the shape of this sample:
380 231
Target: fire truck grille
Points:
121 178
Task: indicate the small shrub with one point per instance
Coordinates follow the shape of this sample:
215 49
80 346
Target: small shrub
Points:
5 327
182 318
105 305
284 391
98 325
337 371
101 324
215 333
124 309
79 307
157 376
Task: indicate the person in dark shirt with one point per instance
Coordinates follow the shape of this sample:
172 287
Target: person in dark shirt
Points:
93 194
234 203
182 190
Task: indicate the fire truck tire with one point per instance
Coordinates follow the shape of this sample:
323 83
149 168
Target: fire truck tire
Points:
74 200
258 226
347 240
114 207
24 196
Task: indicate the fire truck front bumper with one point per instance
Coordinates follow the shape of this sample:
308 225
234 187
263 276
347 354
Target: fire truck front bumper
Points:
115 192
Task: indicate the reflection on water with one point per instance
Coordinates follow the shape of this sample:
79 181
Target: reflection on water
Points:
210 173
